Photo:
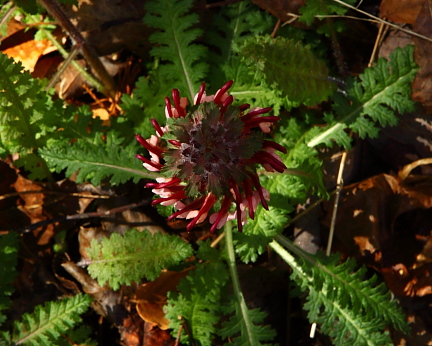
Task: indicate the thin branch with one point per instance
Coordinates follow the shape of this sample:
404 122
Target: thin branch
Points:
56 10
100 215
339 185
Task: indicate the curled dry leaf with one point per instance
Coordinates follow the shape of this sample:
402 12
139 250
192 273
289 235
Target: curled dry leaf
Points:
401 11
387 220
152 296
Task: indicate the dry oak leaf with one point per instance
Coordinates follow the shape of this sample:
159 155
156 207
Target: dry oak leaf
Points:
401 11
152 296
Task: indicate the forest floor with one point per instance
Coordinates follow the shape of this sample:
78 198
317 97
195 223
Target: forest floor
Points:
384 216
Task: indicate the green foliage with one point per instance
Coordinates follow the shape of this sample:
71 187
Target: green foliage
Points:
349 307
229 28
289 67
241 333
281 73
22 105
319 9
97 160
381 91
8 258
198 298
45 325
146 102
304 177
184 60
122 259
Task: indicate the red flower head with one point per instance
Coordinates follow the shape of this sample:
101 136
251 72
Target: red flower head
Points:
210 153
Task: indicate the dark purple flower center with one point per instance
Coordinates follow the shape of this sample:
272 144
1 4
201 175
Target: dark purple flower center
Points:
214 149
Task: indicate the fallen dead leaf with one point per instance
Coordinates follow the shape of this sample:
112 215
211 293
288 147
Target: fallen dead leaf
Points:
28 53
388 220
151 297
422 85
401 11
281 8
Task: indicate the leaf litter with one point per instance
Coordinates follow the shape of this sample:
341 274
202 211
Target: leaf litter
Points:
384 219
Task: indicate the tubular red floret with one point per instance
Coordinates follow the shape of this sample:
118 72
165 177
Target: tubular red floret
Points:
258 187
238 200
243 107
226 202
154 149
157 127
274 145
174 142
208 204
222 91
168 107
156 165
256 121
200 94
176 99
172 182
174 197
264 157
249 195
191 206
254 113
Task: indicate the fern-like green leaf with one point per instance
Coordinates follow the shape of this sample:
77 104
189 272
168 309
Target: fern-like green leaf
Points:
229 28
252 88
184 60
8 258
239 333
22 104
322 10
198 299
48 322
349 307
98 160
381 91
289 66
314 8
122 259
146 102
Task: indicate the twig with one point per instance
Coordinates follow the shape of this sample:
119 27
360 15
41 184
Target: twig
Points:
384 21
55 10
406 170
381 32
101 215
45 192
339 185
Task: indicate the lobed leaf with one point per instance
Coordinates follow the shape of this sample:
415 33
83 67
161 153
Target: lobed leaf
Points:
349 307
379 93
198 300
239 333
290 67
122 259
97 161
48 322
184 61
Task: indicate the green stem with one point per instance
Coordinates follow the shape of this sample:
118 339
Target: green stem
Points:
236 282
285 255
